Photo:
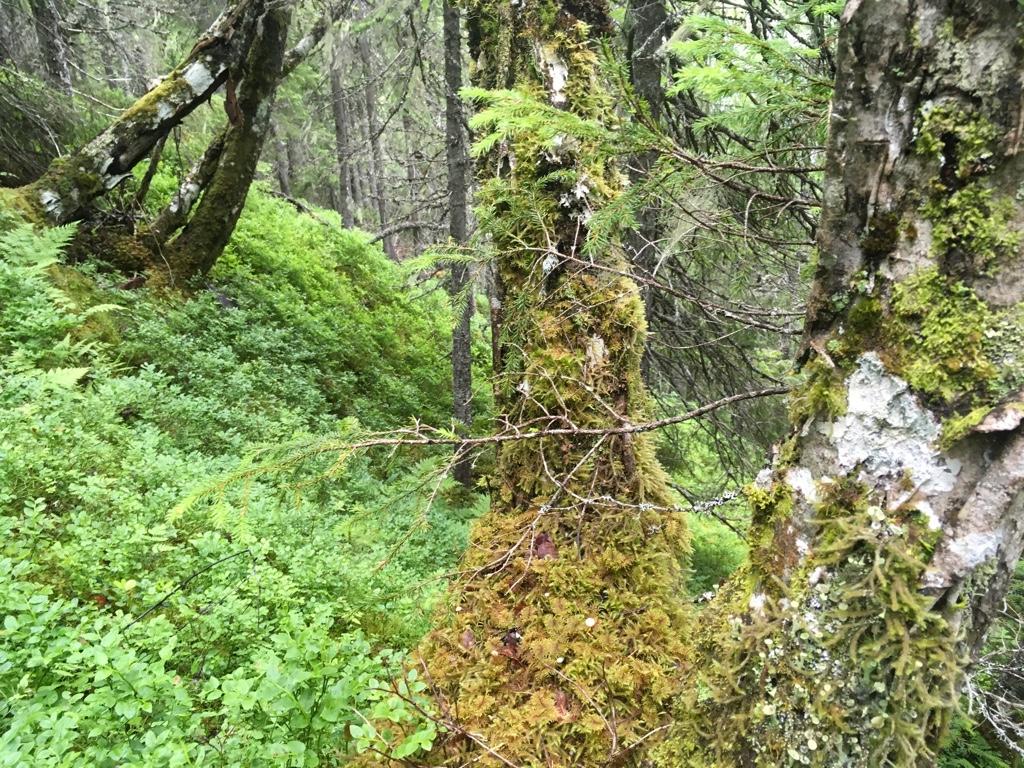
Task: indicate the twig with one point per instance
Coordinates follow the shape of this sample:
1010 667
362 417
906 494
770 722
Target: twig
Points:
182 585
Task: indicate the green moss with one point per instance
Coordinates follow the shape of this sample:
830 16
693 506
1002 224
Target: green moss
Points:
846 665
770 507
956 428
949 132
881 237
148 106
971 228
823 392
22 204
938 338
861 329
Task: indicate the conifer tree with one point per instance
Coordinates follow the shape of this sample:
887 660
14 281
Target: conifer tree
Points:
563 642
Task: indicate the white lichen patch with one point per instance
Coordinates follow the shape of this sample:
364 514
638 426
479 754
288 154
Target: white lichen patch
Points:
888 433
597 353
557 73
801 480
52 203
198 77
757 602
163 111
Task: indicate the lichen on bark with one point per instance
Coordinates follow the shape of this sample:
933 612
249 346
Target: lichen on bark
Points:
886 533
71 183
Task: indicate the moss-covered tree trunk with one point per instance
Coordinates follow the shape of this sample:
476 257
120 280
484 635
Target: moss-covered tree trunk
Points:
562 643
885 536
202 240
65 191
228 165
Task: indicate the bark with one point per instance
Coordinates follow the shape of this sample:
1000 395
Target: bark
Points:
64 193
457 156
562 645
412 174
339 108
884 539
647 29
7 34
175 214
203 238
358 165
373 131
53 43
282 161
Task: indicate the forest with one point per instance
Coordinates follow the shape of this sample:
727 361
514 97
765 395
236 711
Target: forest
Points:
512 383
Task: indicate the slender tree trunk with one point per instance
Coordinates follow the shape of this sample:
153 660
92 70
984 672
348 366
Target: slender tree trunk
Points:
564 643
373 131
457 156
53 43
175 214
357 164
647 29
339 108
203 238
412 176
884 539
69 186
8 33
282 161
113 77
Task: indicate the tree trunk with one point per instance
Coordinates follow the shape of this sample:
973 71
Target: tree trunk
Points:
282 160
65 191
203 238
885 536
53 43
373 132
457 156
647 29
412 176
339 108
356 161
563 646
175 214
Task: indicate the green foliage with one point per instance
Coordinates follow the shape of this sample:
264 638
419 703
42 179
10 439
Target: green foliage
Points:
755 82
967 748
263 632
716 552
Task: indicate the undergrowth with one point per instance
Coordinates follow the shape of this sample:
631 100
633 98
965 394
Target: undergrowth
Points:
262 632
